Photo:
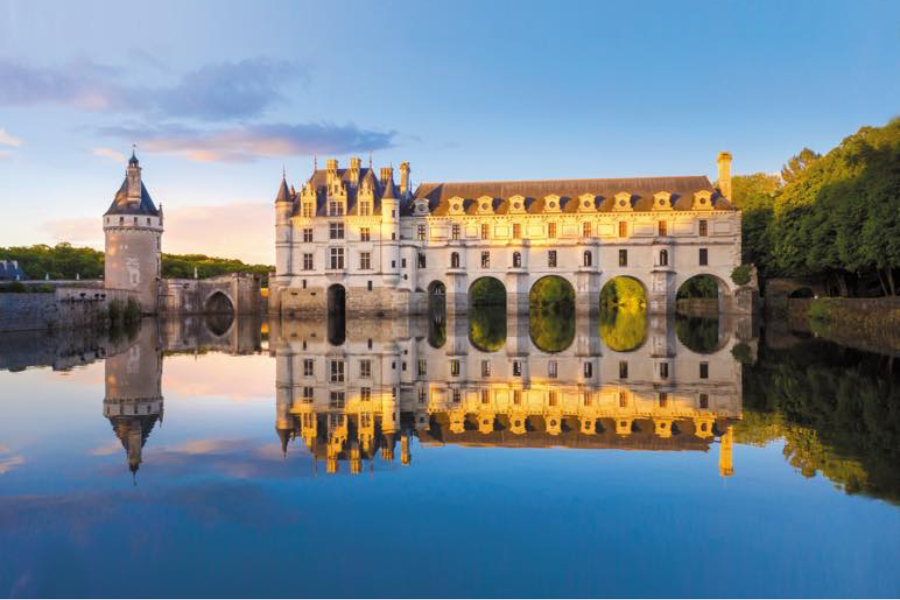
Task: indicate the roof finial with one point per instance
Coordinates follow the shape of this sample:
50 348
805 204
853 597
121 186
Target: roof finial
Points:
315 162
283 172
370 159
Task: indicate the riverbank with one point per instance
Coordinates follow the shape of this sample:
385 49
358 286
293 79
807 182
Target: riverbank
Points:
871 324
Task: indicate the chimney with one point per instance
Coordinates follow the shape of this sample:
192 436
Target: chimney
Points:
387 174
331 164
724 161
404 178
354 170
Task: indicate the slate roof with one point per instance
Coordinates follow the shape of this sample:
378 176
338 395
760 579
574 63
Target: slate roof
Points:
121 206
641 189
11 271
319 180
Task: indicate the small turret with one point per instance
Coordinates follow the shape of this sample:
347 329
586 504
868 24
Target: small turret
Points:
404 178
284 194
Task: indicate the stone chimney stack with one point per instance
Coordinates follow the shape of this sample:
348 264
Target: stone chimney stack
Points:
404 178
724 161
387 174
331 174
355 163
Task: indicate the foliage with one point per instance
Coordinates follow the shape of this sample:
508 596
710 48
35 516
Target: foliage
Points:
740 275
623 314
742 353
65 261
487 291
820 309
798 163
487 327
551 315
700 286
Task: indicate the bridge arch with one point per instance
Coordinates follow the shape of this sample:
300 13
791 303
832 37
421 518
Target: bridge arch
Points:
699 285
551 313
487 314
624 301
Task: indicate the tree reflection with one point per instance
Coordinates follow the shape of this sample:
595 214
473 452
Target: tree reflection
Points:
700 334
487 327
551 314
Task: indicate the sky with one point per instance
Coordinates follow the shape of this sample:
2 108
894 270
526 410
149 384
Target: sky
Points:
219 97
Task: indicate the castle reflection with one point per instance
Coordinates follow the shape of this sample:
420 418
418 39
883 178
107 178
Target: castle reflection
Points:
348 392
451 381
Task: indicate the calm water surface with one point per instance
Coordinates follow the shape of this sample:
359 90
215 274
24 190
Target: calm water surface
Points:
486 455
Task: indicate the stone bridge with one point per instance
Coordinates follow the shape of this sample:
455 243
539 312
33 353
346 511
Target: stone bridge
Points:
235 294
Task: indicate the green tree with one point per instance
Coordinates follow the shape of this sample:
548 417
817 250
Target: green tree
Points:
797 164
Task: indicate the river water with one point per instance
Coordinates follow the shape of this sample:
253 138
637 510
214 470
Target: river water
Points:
488 455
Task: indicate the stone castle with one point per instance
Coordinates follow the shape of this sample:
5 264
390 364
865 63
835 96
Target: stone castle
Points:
133 228
351 237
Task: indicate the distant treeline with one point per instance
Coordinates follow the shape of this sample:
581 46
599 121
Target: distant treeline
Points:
65 261
835 217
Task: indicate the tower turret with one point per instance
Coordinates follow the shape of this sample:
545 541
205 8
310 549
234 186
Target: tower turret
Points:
133 228
390 226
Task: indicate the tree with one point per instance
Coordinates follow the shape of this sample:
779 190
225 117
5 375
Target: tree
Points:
797 164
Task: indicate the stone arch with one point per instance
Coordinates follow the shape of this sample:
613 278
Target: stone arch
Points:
485 291
624 304
337 298
337 314
724 293
803 292
218 302
437 313
551 313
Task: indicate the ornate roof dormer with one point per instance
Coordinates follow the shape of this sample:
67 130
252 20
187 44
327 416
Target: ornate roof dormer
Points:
517 204
662 201
622 202
586 203
485 205
552 203
702 200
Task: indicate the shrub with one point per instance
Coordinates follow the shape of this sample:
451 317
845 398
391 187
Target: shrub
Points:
820 309
741 275
742 353
15 287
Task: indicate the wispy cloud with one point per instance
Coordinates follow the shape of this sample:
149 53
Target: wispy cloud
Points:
110 154
246 143
214 92
8 139
8 464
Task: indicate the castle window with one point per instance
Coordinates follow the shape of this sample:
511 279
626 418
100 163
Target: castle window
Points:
517 259
307 261
663 399
454 260
369 285
454 372
704 257
623 369
365 369
623 229
485 260
623 258
517 231
586 229
337 371
485 231
423 367
517 397
422 261
454 231
704 227
663 258
588 370
337 258
134 220
485 368
304 287
365 260
551 369
420 233
623 399
552 399
485 396
307 235
423 395
365 209
457 396
551 258
336 400
307 394
588 258
307 211
662 228
704 401
336 231
121 220
364 234
335 209
402 263
148 220
517 368
309 367
365 394
664 370
704 370
551 230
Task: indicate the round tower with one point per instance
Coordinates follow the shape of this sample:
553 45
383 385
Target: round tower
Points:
133 228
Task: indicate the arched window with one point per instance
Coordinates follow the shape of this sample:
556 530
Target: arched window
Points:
517 259
588 258
663 258
454 260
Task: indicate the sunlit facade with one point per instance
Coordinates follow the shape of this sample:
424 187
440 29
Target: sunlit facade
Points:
354 237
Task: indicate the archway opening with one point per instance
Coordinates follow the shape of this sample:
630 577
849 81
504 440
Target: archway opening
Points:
218 304
437 314
337 315
803 292
551 314
623 314
487 314
699 306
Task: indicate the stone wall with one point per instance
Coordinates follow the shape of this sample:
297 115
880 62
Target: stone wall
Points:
68 307
871 324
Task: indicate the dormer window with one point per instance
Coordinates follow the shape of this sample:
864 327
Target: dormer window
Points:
551 203
622 201
517 204
485 204
307 210
457 205
662 201
335 209
586 203
703 200
365 208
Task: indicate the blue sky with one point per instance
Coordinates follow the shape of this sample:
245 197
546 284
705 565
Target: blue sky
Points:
219 95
